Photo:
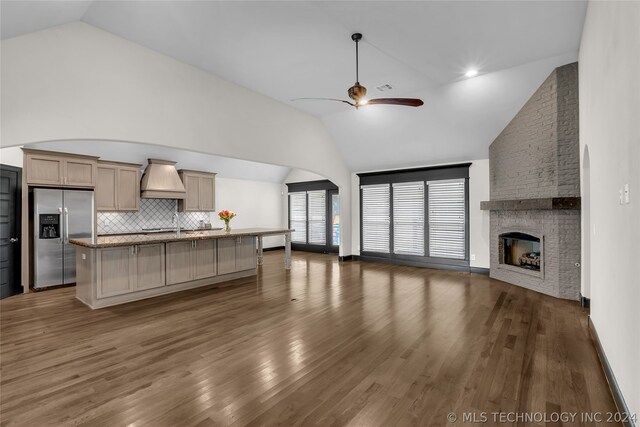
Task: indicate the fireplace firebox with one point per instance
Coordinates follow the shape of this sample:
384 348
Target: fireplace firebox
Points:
520 250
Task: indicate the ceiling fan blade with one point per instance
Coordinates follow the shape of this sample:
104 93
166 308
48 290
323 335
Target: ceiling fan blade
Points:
324 99
408 102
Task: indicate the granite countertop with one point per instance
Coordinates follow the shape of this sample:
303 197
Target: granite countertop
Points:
141 239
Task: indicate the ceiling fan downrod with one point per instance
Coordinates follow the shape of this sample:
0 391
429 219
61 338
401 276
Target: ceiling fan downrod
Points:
357 92
356 37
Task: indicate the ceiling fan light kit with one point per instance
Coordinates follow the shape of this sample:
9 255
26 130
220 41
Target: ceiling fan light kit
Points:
357 92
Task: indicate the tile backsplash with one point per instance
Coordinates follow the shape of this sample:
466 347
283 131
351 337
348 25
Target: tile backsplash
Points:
153 213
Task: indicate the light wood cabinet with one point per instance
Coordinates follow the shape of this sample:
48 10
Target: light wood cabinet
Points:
42 169
190 260
105 192
179 262
128 269
128 193
117 186
149 266
245 253
227 255
192 200
236 254
205 258
116 272
59 169
80 173
206 193
200 188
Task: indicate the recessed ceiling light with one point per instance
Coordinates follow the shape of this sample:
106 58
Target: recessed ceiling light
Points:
471 73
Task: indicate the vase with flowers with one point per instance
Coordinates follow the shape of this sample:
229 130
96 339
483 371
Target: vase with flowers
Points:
226 216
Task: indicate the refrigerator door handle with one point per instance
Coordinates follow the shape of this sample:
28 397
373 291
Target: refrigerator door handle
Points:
66 225
61 238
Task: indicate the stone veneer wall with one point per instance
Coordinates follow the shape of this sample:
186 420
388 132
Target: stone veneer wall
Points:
537 156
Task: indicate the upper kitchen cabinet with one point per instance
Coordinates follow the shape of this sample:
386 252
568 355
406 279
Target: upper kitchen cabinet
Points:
118 186
59 169
200 187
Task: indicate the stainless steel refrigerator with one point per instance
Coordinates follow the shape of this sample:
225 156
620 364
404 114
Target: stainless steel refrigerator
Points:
59 215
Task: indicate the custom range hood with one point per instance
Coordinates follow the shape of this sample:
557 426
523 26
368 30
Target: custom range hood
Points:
161 181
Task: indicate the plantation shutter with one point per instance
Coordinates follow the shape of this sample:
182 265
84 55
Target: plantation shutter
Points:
317 217
447 218
298 216
408 218
375 218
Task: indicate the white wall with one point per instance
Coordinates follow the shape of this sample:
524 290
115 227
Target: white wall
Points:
478 220
257 204
76 82
11 156
609 127
299 175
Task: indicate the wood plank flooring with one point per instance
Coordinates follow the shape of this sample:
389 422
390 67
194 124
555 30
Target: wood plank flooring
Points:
327 343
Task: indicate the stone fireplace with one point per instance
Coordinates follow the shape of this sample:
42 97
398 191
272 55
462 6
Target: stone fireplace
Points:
535 191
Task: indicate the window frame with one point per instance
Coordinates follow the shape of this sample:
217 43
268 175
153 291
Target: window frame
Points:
305 187
436 173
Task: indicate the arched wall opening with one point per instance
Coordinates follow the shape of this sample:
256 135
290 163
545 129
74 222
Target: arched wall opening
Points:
77 82
241 185
586 224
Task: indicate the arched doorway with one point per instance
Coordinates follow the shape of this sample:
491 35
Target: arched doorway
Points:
586 224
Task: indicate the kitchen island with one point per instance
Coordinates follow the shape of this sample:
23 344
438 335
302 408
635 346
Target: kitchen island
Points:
113 270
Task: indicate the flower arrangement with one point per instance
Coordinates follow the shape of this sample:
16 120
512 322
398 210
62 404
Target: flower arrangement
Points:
226 216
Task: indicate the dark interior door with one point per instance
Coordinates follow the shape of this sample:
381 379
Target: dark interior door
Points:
10 221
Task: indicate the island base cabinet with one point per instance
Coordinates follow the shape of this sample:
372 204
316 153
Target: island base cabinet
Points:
226 255
236 254
149 266
116 272
190 260
128 269
179 262
205 259
246 253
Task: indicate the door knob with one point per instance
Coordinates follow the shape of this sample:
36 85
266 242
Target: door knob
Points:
13 239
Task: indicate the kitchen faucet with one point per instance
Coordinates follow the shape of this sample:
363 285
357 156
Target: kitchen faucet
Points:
176 216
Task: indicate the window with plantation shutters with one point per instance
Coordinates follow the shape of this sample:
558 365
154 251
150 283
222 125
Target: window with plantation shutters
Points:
298 216
314 215
408 218
447 231
317 217
376 218
416 216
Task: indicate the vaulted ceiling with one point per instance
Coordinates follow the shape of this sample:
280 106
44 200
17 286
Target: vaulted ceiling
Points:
287 50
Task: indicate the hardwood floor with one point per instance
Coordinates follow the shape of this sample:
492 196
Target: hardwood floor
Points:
324 344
